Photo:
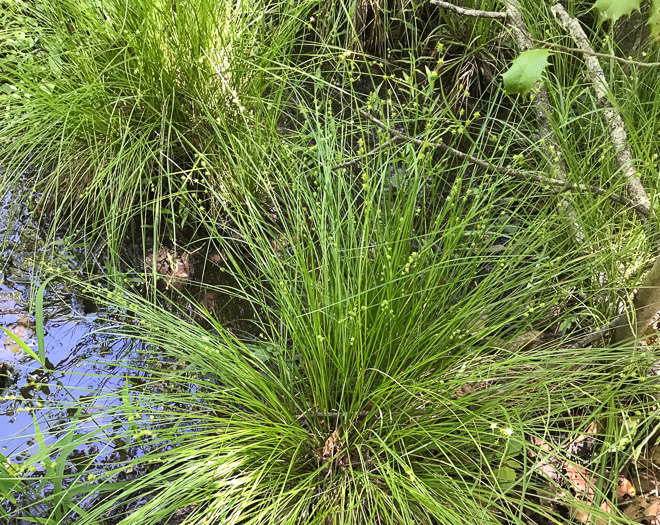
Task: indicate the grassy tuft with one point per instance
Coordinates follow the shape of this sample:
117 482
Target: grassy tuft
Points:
387 381
410 360
108 105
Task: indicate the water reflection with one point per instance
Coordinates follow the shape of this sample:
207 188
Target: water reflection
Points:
69 394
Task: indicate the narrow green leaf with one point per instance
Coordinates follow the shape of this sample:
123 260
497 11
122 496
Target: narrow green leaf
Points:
38 434
39 316
66 445
615 9
22 345
525 71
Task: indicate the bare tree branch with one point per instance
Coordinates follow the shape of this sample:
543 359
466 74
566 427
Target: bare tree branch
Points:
469 12
640 209
503 15
567 49
542 108
618 135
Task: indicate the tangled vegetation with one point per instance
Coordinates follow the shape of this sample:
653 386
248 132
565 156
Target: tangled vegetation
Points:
432 268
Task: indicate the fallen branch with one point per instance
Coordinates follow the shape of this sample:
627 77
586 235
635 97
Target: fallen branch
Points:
542 108
469 12
618 135
645 305
640 209
596 336
567 49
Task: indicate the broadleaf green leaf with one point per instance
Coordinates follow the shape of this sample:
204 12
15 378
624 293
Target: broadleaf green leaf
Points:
615 9
654 19
525 71
505 476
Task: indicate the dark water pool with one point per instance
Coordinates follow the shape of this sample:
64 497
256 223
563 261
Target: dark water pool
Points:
84 360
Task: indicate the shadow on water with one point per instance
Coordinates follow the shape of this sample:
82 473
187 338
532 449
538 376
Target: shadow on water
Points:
84 359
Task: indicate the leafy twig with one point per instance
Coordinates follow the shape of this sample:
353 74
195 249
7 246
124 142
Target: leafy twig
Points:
503 15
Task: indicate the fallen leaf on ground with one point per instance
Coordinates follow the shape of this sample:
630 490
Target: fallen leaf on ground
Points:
331 455
647 480
589 433
548 464
645 472
625 488
584 516
582 446
579 479
644 508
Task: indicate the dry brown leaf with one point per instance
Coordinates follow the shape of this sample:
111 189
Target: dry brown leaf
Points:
646 471
653 510
541 444
582 445
584 516
605 506
650 458
625 488
549 465
646 480
330 455
550 471
579 479
655 456
644 508
552 496
331 446
23 328
591 430
583 482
